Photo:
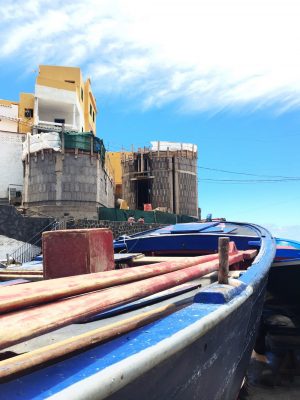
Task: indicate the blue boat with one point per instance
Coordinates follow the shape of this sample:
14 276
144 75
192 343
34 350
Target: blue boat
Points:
199 351
194 238
284 275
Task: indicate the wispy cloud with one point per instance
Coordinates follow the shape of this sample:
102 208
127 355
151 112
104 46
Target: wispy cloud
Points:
206 54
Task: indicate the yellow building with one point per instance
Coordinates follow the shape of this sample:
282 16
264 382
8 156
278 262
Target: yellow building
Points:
61 96
114 163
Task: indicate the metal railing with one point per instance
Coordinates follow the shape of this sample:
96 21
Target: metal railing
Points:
28 251
23 254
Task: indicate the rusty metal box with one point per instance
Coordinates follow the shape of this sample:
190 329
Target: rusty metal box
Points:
77 251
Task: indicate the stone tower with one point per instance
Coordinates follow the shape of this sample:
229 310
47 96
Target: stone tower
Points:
164 176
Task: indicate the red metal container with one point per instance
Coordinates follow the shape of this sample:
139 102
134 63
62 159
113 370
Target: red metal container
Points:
77 251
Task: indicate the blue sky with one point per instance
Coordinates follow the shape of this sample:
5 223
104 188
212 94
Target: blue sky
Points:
222 74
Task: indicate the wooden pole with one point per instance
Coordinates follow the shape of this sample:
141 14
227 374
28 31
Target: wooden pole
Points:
223 260
36 293
48 317
44 354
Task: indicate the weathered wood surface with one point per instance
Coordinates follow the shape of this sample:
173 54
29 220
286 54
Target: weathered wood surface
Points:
20 272
44 354
223 260
40 292
21 325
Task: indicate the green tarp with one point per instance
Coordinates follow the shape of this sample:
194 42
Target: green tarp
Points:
82 141
115 214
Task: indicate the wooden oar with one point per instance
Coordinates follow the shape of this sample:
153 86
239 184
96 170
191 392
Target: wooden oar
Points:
18 272
44 354
25 324
31 294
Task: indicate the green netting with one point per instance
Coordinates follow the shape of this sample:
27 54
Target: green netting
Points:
159 217
82 141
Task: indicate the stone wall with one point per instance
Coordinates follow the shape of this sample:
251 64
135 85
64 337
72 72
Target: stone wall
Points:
17 226
186 186
72 183
118 228
162 185
172 180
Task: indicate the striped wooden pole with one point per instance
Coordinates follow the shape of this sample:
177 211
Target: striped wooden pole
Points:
34 293
18 326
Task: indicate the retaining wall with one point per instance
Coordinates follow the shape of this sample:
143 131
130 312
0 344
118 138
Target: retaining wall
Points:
118 228
19 227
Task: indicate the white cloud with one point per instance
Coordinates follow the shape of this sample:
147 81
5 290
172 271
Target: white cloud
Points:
208 54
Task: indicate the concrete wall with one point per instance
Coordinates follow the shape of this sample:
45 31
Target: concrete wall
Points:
162 184
75 184
186 186
174 185
11 168
128 186
17 226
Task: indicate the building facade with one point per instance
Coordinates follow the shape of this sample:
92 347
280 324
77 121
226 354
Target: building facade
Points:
164 176
69 175
61 97
11 169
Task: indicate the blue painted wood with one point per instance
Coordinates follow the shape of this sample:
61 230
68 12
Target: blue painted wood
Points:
219 294
179 239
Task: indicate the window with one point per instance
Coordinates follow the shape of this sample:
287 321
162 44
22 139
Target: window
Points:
81 94
66 80
93 116
28 113
91 110
59 121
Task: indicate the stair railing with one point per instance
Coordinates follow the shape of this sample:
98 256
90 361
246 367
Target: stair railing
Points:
28 251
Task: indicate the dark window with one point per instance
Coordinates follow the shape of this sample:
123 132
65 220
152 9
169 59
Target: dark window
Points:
93 116
81 94
59 121
28 112
91 110
66 80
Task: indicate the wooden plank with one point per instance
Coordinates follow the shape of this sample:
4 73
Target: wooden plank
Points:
45 318
18 272
153 259
44 354
36 293
250 254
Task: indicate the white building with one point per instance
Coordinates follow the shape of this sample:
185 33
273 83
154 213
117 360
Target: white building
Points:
11 168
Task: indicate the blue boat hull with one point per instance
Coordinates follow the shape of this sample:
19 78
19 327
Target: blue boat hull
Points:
212 367
199 352
284 276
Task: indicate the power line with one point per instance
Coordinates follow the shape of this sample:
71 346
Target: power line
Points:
247 182
249 174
